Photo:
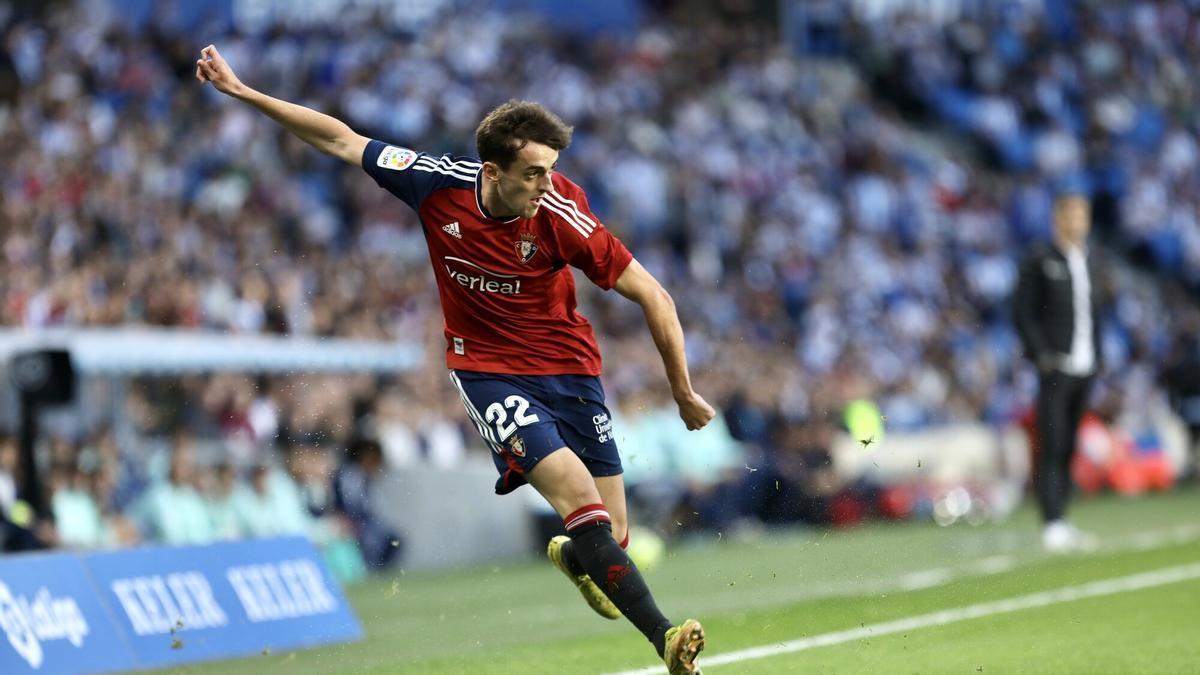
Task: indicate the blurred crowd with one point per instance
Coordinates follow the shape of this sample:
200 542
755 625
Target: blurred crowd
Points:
183 490
1103 90
825 234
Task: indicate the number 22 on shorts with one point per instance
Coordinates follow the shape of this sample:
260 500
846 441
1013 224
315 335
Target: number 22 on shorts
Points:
497 416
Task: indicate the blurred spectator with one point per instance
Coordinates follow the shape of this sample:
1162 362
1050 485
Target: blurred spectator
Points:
19 528
172 510
272 506
224 496
310 469
411 436
19 534
352 498
75 512
796 483
642 427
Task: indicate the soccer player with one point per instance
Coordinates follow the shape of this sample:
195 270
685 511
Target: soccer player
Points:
501 231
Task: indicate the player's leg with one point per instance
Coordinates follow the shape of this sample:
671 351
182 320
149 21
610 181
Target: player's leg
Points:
612 493
532 451
567 484
520 449
561 550
586 427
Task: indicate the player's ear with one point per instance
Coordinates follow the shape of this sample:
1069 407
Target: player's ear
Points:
491 171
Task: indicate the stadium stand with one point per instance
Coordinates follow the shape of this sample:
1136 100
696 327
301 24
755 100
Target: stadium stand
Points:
837 219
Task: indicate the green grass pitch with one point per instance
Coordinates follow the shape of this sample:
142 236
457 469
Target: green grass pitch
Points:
784 587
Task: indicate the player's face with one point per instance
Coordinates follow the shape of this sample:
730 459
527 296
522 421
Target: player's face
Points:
523 183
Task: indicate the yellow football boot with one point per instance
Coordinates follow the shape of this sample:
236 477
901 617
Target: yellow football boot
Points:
684 644
596 599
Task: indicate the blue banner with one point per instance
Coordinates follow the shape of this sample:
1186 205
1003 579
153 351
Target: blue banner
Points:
155 607
52 619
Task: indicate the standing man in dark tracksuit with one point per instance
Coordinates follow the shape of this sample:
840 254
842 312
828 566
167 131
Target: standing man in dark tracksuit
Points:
1056 316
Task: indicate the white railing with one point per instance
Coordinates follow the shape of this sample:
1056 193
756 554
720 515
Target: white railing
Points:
134 351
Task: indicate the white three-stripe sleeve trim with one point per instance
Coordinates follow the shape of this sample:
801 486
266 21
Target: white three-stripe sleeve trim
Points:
445 159
446 163
583 221
468 178
567 217
569 204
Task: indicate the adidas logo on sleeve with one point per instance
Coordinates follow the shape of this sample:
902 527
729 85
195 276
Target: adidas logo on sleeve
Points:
452 229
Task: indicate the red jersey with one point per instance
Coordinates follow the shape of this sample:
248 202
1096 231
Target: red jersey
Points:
507 296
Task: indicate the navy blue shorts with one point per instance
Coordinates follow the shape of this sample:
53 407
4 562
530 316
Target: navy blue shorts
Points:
524 418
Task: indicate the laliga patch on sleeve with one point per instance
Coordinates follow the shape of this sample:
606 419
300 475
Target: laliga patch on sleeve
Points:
397 159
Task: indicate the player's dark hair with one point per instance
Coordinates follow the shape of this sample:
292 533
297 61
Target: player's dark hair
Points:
507 129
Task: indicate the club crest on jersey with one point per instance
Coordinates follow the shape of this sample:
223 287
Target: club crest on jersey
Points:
517 446
526 247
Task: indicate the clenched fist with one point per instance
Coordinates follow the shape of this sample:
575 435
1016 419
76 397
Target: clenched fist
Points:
211 67
694 410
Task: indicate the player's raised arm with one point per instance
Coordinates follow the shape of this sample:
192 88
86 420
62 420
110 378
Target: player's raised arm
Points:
641 287
325 133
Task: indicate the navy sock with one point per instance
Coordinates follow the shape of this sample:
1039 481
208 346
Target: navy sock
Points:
572 562
568 554
598 554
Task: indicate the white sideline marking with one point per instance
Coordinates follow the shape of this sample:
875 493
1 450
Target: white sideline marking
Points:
926 579
929 578
551 613
1094 589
